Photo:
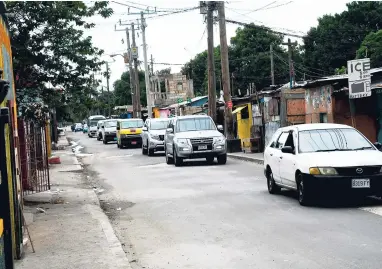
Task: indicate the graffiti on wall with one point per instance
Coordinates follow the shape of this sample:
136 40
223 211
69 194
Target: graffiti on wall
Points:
318 100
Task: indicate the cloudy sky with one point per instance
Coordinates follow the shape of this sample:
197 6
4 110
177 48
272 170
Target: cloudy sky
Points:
175 39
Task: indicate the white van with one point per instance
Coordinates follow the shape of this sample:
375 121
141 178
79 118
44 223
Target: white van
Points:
92 123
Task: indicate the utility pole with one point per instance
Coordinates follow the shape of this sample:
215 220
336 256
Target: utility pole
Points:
225 71
108 89
147 76
272 65
131 72
290 58
211 61
137 88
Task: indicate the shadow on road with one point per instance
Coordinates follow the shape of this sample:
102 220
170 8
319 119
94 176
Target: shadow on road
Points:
340 201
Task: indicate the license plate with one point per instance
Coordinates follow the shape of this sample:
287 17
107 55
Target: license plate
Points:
133 142
204 147
360 183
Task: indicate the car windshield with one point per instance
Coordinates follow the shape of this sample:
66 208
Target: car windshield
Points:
158 125
132 124
93 122
339 139
195 124
109 124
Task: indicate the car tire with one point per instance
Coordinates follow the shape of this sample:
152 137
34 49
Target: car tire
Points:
273 188
210 160
222 159
89 135
303 190
144 150
169 160
178 161
98 138
150 151
104 141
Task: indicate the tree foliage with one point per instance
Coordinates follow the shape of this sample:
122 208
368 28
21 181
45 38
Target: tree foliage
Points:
49 46
337 37
371 47
122 93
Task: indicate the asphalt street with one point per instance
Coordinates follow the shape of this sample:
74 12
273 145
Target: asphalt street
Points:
221 216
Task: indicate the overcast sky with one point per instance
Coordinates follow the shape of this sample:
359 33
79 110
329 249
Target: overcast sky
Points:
176 38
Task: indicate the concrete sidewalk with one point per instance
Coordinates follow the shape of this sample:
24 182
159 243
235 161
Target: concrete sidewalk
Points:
249 157
69 229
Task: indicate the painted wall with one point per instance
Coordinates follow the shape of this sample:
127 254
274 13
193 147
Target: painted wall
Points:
318 100
244 127
11 129
164 113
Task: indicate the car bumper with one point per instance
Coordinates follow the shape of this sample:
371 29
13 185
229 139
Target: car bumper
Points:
110 137
156 145
131 140
92 133
342 185
189 153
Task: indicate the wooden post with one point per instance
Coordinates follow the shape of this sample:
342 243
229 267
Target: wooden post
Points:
211 62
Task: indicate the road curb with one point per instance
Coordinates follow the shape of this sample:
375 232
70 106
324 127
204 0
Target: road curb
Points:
246 158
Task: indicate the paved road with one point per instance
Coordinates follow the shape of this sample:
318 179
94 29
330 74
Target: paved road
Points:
201 216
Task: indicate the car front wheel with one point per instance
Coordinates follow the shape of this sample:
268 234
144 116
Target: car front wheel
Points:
169 160
272 186
304 194
222 159
177 160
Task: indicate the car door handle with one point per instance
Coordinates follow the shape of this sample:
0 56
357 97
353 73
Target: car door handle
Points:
271 154
281 157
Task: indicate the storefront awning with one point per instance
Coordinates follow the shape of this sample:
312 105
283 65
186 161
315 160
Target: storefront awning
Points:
238 109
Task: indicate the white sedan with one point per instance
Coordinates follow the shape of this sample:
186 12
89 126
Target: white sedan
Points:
323 158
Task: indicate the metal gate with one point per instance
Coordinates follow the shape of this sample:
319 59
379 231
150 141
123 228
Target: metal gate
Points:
33 157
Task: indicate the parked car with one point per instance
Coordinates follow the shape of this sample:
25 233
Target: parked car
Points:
191 137
99 130
78 127
319 159
129 132
153 135
109 130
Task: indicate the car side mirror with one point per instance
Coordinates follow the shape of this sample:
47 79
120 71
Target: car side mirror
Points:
220 128
378 145
169 130
144 129
287 149
102 127
118 128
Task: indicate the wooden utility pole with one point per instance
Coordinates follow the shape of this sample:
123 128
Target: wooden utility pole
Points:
108 88
211 61
137 89
225 71
272 65
290 58
131 72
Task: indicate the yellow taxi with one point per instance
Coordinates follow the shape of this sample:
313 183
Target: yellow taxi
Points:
129 132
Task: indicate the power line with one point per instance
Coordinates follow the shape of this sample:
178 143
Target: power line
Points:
264 28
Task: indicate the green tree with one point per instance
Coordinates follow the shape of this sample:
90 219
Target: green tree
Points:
371 47
49 45
337 37
122 93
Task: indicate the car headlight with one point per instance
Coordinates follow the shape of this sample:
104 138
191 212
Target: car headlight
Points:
219 140
326 171
155 137
181 141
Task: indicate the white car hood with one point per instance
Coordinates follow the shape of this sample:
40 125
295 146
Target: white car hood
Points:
199 134
343 158
158 132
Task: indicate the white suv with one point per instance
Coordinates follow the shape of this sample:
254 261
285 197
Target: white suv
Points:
321 159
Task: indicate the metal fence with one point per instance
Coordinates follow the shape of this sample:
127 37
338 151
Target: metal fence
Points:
33 157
